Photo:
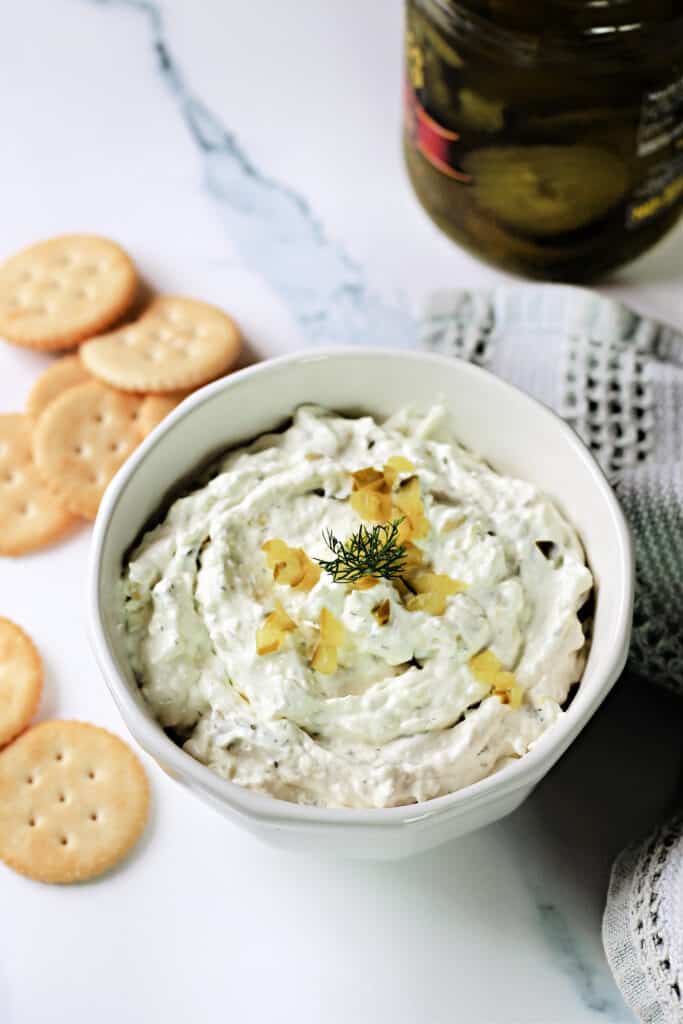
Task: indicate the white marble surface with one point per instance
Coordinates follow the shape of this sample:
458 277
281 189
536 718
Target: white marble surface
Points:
249 154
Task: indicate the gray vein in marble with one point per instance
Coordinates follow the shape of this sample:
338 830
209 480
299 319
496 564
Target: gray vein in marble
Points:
274 228
587 980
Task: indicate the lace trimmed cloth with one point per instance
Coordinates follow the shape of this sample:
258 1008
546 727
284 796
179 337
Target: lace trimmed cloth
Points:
617 378
642 927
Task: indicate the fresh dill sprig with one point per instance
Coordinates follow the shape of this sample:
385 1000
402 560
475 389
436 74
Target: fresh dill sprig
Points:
373 551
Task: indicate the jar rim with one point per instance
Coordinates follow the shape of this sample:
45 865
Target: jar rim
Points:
588 22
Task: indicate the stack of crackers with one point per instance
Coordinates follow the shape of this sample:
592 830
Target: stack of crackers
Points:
73 797
88 410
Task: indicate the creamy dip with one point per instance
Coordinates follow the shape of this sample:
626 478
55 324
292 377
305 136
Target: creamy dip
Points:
404 716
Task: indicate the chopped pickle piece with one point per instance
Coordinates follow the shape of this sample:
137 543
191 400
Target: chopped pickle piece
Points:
408 501
452 524
413 555
365 583
290 571
408 497
382 612
324 659
488 669
282 619
394 466
331 629
310 577
264 642
275 550
420 527
405 531
367 478
437 583
313 456
370 506
507 690
270 635
512 695
372 498
433 604
291 566
416 527
485 667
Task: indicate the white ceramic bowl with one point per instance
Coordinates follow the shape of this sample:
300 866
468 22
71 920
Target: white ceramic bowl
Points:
517 435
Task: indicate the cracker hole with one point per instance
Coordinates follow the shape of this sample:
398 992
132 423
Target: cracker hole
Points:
29 779
59 756
78 449
32 822
62 798
63 840
91 774
94 816
99 418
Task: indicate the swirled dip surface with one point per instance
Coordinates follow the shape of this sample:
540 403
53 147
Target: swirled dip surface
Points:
404 717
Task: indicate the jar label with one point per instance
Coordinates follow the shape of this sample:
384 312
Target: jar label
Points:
661 190
661 119
436 143
660 128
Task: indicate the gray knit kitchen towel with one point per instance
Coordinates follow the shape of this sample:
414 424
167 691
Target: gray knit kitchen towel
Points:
617 378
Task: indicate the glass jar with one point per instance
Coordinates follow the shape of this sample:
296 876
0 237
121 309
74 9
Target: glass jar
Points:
547 135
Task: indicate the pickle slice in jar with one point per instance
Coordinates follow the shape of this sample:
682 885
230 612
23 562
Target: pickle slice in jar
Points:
442 48
546 190
480 113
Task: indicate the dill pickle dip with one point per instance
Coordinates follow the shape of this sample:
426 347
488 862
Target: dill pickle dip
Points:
363 691
547 137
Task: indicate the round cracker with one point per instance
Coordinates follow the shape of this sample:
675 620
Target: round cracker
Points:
21 680
74 799
30 515
65 373
81 439
56 293
176 344
155 408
